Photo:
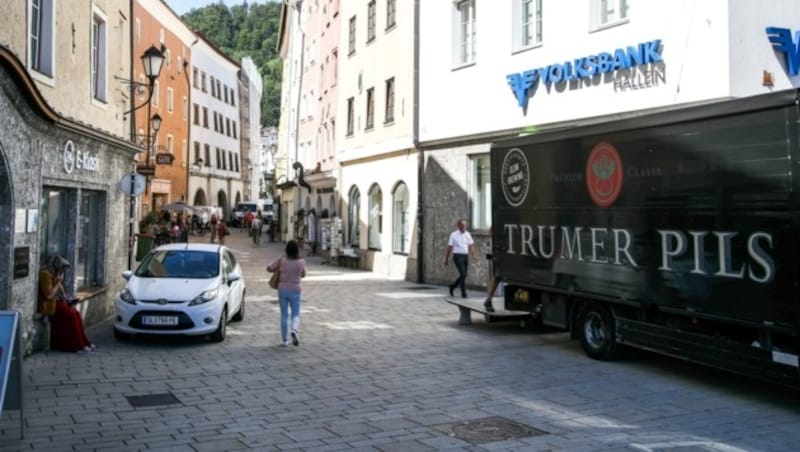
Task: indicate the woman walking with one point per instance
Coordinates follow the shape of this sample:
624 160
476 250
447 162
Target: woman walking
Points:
291 269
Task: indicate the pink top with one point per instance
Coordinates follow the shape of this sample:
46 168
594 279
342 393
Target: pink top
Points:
291 272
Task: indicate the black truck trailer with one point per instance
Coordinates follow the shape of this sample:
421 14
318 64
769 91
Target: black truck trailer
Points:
676 232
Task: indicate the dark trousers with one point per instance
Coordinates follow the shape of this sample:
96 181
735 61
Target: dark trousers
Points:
462 263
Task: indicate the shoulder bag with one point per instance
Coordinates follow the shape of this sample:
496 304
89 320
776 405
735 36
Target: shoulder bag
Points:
276 277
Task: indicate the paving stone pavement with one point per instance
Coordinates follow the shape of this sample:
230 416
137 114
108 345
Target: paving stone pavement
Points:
382 365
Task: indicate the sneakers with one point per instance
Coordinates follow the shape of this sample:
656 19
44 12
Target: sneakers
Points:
295 340
284 344
488 306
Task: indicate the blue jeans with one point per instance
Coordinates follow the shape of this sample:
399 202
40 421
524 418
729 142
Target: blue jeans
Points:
462 263
289 298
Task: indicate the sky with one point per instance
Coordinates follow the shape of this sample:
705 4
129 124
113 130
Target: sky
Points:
183 6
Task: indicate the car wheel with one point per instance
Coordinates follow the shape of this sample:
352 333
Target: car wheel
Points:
598 332
120 336
219 335
239 315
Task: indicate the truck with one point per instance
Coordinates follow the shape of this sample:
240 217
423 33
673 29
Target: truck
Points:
674 231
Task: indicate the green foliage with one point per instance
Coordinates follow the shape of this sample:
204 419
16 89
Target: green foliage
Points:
247 30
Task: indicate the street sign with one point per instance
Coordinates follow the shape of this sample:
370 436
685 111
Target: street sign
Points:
164 158
139 183
146 170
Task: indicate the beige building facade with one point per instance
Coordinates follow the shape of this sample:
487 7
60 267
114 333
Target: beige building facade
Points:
374 135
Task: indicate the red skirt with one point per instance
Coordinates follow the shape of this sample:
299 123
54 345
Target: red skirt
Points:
66 329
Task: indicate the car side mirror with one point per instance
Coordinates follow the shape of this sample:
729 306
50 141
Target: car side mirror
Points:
233 277
127 275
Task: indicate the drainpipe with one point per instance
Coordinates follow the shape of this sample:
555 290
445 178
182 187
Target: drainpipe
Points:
299 8
420 154
189 147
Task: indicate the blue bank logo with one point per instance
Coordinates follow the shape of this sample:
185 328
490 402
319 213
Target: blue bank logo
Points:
782 41
585 67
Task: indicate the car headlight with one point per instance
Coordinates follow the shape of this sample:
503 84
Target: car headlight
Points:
205 297
126 296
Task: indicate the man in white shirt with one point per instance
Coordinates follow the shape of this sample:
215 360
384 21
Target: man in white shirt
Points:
460 246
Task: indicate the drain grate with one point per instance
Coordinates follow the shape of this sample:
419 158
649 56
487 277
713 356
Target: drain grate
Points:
488 430
152 400
420 288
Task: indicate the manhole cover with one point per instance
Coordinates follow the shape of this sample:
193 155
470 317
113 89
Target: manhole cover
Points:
152 400
420 288
488 430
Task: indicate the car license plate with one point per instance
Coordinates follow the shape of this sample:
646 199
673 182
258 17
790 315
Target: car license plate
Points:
159 320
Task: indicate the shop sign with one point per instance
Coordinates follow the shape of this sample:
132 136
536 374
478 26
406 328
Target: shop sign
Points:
583 68
79 159
164 158
782 41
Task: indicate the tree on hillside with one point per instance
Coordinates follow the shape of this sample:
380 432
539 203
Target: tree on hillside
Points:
247 30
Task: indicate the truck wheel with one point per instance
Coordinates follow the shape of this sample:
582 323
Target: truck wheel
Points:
597 332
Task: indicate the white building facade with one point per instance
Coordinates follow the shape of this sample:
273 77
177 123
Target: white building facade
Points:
290 47
532 66
250 119
216 170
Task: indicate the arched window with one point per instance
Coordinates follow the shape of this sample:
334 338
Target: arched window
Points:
352 217
400 220
375 219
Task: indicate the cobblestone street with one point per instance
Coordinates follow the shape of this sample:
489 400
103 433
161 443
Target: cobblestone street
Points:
382 365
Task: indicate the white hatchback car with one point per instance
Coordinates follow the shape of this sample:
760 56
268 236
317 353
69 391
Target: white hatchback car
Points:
181 289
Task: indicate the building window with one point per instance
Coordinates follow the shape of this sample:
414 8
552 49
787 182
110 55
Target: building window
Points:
155 94
391 12
389 100
205 117
170 141
197 156
464 32
527 26
99 59
607 13
370 21
203 82
216 126
40 36
370 108
350 116
185 107
170 102
208 155
400 232
91 249
195 77
375 218
480 192
233 128
167 57
138 30
196 118
58 222
219 161
54 224
354 207
351 37
225 89
227 127
213 87
233 99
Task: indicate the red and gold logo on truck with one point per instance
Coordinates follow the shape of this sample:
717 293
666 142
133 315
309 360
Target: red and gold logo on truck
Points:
604 174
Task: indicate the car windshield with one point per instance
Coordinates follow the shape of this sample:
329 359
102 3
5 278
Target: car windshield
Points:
179 264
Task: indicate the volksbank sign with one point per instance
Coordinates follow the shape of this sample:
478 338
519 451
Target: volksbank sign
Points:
585 67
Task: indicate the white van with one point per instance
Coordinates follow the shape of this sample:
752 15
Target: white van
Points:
251 206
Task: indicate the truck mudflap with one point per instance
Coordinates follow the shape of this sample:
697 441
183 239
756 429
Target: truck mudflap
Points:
749 360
